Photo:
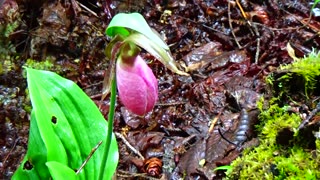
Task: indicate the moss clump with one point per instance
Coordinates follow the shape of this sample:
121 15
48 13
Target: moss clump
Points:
303 74
6 47
43 65
308 68
49 64
52 64
279 155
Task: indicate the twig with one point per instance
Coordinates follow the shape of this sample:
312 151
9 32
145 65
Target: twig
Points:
89 157
214 121
231 27
129 145
258 44
7 156
89 10
203 25
256 32
311 115
171 104
242 12
126 174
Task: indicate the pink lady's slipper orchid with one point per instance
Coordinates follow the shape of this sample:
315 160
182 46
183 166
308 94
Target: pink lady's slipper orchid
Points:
136 83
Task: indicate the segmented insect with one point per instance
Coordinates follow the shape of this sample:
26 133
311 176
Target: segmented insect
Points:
243 127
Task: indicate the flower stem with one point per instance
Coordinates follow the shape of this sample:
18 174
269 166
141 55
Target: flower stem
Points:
110 128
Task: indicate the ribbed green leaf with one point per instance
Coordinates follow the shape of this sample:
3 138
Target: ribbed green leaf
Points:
33 165
69 125
60 171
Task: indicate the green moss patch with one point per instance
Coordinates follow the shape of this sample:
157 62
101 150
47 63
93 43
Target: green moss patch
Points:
273 159
284 152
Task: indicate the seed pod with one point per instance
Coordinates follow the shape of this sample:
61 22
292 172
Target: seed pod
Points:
153 166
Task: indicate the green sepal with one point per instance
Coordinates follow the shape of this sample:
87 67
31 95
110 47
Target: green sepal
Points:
133 21
154 49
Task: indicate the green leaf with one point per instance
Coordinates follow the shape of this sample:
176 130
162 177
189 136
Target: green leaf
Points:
136 22
36 156
228 168
60 171
314 4
65 126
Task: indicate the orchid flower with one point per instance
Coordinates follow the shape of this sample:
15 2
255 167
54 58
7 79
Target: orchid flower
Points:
136 83
137 86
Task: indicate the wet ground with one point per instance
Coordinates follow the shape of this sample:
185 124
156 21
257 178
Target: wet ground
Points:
228 48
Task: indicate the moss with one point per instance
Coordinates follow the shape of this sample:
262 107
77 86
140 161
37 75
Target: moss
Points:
303 74
6 47
284 152
278 156
273 160
47 64
51 64
308 68
43 65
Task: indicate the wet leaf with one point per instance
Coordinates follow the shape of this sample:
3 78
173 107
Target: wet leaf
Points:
208 62
143 141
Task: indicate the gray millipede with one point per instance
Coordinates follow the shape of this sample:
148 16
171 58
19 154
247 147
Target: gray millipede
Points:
243 127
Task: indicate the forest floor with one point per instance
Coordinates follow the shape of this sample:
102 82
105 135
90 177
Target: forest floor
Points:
229 48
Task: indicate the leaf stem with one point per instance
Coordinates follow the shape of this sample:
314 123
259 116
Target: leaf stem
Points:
110 129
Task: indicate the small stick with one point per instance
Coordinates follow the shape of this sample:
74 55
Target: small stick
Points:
89 10
312 114
126 175
7 156
230 24
89 157
171 104
214 121
254 28
129 145
258 44
242 11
